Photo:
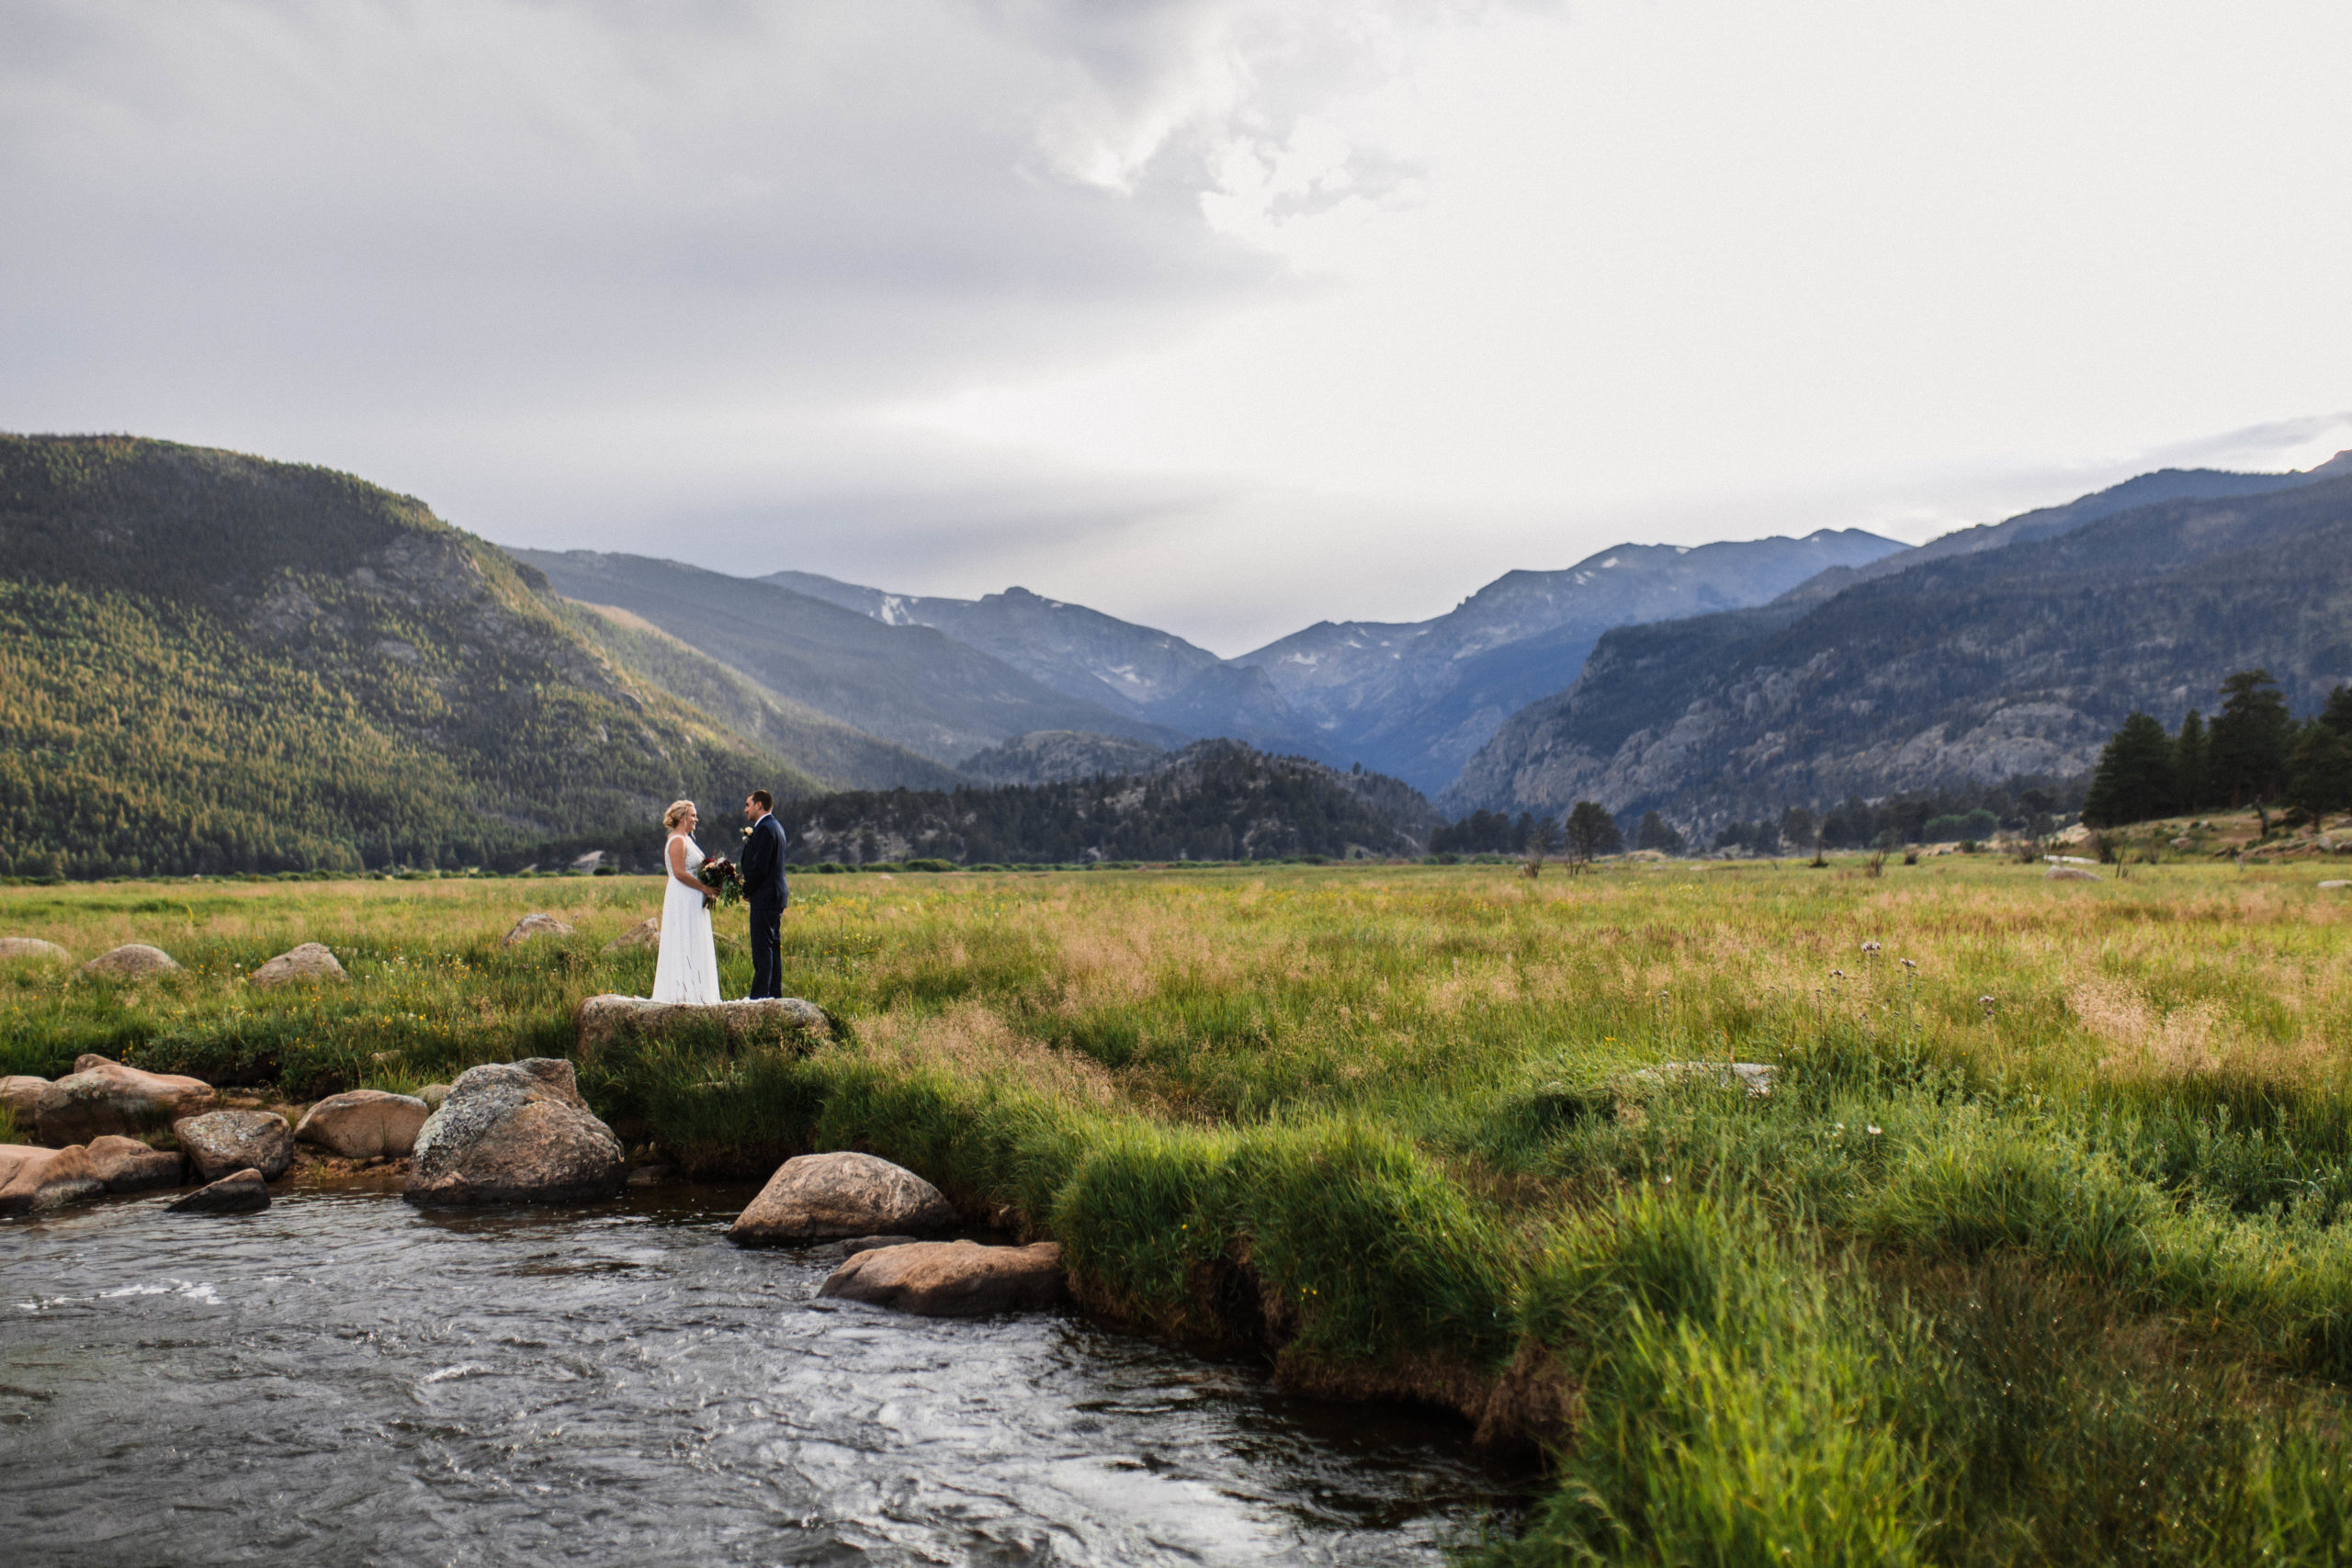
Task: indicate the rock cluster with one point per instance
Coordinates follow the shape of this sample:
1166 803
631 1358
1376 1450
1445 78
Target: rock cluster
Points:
21 1094
25 947
100 1097
952 1279
311 960
822 1197
365 1123
516 1133
132 961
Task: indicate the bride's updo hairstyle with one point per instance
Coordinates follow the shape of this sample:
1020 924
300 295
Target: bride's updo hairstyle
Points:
676 814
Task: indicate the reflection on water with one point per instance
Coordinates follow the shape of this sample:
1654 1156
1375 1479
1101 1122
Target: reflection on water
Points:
344 1380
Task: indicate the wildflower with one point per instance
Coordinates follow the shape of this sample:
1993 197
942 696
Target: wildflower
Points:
1874 1129
1907 964
1837 974
1869 947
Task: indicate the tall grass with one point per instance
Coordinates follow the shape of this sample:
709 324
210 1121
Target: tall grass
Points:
2032 1254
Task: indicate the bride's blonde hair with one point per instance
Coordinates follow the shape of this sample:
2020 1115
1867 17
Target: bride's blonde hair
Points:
676 814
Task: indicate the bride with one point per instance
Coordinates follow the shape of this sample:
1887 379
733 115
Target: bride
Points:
688 968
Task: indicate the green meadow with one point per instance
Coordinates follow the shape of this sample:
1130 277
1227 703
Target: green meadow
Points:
2034 1253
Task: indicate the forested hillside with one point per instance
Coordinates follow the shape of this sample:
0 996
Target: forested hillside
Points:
211 662
1213 800
1988 666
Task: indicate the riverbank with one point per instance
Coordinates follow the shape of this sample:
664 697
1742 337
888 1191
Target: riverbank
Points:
2032 1254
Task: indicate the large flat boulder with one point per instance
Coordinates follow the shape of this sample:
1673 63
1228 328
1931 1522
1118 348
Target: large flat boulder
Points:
605 1019
125 1165
952 1279
30 949
311 960
244 1192
131 961
364 1123
100 1097
824 1197
2069 874
516 1133
33 1179
221 1142
536 925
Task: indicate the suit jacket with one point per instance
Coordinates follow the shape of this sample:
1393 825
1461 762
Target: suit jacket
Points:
762 865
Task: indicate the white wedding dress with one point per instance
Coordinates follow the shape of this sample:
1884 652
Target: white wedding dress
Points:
688 968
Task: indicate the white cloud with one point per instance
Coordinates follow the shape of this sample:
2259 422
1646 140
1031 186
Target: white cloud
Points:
1231 316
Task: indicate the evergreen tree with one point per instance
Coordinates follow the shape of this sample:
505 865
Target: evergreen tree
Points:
2337 714
2246 748
2191 768
1592 832
2319 773
2134 779
1654 834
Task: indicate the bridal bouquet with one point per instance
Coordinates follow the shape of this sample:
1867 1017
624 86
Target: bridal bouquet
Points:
720 875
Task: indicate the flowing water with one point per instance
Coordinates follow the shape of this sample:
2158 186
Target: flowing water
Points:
346 1380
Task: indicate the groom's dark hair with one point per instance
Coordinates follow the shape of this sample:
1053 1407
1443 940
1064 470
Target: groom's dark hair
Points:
767 801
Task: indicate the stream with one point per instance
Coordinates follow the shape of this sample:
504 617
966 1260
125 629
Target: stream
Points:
344 1379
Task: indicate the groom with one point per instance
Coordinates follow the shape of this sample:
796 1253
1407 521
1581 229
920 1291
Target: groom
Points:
762 868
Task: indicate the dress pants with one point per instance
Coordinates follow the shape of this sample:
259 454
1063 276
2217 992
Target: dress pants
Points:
767 950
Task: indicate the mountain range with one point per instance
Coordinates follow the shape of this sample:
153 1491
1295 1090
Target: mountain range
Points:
1413 699
212 662
2008 650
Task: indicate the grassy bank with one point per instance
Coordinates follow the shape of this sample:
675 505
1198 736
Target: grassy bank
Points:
2033 1256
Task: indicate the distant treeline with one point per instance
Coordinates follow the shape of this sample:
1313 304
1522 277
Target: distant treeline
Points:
2255 754
1222 802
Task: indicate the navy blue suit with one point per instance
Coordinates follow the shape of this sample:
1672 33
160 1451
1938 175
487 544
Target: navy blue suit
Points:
765 887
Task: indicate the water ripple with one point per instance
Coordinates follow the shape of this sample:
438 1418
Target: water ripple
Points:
341 1379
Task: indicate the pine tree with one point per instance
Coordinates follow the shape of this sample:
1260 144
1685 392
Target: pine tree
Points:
2134 779
2192 771
1592 832
2246 748
1654 834
2319 774
2337 714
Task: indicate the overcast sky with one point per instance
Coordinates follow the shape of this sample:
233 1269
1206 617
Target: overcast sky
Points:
1222 317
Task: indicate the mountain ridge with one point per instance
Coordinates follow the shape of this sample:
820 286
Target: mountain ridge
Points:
1971 666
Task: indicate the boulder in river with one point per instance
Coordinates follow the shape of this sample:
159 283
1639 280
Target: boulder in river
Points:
534 925
311 960
131 961
605 1019
952 1279
363 1124
20 1092
125 1165
243 1192
34 1178
221 1141
647 932
821 1197
30 948
100 1097
516 1133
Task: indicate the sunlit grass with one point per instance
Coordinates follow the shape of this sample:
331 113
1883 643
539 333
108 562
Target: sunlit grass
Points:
1378 1119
